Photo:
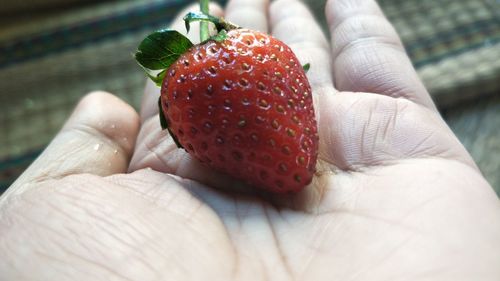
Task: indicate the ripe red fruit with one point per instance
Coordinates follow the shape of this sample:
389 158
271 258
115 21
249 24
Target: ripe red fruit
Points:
243 106
239 102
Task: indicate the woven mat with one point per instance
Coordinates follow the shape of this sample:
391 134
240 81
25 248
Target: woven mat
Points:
53 61
455 45
56 57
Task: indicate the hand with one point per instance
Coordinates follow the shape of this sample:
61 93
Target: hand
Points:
396 196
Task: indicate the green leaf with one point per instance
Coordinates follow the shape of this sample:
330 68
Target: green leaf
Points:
158 78
306 67
164 124
163 120
176 141
161 48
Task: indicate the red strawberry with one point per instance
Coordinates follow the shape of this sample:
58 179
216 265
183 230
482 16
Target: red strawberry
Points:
242 105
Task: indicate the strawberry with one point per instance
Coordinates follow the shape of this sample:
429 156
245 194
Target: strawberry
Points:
239 102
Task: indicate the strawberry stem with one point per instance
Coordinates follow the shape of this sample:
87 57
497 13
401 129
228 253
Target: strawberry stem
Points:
204 34
220 23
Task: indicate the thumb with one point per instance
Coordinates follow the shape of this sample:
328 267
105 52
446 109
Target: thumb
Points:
98 138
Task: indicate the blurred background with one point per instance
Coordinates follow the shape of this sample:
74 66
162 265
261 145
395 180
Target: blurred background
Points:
52 52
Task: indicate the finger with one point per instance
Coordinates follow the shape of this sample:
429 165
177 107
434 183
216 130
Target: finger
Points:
368 55
294 24
364 130
251 14
149 105
98 138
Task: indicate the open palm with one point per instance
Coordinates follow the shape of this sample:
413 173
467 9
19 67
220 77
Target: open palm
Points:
395 196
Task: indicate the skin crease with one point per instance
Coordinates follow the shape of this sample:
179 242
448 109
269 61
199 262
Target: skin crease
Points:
396 196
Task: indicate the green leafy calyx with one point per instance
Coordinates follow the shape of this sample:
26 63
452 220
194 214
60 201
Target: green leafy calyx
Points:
163 120
159 50
164 124
306 67
220 23
219 37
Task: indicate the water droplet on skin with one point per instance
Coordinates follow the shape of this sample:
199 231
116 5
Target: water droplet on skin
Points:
97 146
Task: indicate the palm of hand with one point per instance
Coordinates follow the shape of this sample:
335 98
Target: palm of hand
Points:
393 190
354 223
